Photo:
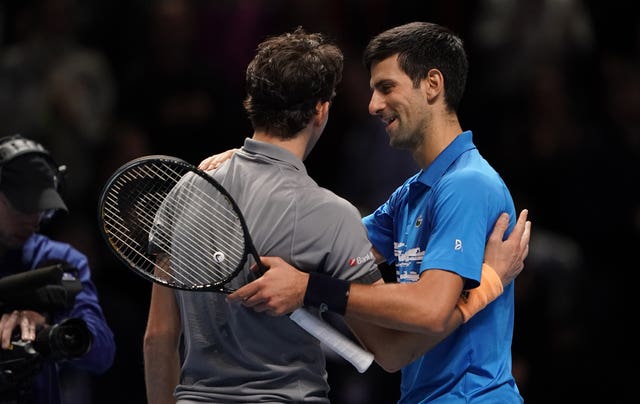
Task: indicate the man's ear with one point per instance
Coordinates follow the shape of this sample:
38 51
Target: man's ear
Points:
434 84
322 112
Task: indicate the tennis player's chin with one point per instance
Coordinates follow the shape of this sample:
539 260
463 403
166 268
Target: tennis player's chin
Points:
391 127
393 134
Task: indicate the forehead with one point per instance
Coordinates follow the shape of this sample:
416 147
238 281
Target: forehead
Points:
387 70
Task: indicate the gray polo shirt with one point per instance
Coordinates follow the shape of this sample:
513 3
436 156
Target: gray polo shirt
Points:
232 354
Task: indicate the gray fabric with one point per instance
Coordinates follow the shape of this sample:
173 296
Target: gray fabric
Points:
234 355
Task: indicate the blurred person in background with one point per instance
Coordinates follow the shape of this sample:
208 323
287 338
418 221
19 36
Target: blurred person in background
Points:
30 185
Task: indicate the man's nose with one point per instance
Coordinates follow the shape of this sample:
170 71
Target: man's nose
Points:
376 104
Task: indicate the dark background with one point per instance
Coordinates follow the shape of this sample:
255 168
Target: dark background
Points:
553 99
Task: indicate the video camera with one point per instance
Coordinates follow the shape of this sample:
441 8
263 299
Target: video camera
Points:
45 290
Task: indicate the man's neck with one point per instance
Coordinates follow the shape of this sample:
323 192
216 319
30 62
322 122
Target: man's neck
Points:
435 139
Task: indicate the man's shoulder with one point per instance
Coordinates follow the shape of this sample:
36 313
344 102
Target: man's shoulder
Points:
327 199
472 169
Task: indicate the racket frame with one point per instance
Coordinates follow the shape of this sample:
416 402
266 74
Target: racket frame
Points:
215 286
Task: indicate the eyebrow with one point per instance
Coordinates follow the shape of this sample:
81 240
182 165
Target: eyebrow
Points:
383 82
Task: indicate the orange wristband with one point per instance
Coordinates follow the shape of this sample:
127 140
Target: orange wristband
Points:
474 300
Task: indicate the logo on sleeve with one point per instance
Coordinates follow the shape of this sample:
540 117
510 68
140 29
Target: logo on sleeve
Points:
458 245
360 260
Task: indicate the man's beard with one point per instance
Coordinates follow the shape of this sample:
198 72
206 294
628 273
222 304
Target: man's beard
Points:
410 141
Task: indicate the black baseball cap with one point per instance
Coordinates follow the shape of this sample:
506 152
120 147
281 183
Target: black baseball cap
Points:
30 183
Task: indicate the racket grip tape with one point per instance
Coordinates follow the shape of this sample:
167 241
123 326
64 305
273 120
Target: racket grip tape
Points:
333 339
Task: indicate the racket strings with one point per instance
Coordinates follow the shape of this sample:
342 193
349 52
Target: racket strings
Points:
216 223
217 236
123 237
217 226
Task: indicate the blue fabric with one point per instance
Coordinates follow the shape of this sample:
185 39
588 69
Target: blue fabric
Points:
441 218
36 252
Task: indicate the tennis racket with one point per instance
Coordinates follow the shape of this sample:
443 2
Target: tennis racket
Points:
190 237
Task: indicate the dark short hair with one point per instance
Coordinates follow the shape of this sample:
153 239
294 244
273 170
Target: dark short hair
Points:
422 46
288 76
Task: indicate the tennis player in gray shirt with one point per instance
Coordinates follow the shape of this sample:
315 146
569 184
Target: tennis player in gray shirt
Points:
202 348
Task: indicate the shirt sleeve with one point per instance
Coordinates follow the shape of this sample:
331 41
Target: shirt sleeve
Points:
380 224
333 235
460 221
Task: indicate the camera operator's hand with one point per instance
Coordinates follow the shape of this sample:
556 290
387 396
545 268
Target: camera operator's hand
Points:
27 320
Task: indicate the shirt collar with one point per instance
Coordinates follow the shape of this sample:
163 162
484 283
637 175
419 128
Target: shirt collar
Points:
273 152
462 143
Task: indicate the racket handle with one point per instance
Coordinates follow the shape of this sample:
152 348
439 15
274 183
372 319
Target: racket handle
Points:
333 339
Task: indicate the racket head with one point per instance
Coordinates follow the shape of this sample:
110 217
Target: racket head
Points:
174 225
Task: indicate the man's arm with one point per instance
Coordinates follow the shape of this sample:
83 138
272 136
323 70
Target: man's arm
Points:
282 288
395 349
161 360
426 306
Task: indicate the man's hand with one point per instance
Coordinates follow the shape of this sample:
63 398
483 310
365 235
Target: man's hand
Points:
280 290
507 257
213 162
25 319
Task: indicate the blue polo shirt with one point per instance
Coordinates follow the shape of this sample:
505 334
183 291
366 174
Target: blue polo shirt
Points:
441 218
